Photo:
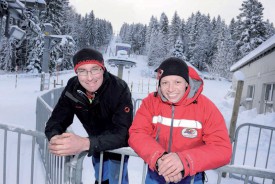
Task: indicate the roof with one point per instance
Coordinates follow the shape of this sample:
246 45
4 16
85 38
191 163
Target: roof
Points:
123 44
41 4
261 49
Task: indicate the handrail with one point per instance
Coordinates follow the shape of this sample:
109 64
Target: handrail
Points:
247 171
238 169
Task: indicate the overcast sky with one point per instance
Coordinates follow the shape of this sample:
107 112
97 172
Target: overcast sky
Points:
140 11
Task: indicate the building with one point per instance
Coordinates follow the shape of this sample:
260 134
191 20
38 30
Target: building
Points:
258 68
122 46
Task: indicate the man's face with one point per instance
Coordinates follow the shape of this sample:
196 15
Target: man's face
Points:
173 87
90 76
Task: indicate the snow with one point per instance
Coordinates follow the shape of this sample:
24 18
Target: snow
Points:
20 91
239 76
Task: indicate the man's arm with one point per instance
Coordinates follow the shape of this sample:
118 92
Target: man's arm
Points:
68 144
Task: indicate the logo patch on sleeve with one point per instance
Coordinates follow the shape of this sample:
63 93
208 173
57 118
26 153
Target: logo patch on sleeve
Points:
127 109
189 132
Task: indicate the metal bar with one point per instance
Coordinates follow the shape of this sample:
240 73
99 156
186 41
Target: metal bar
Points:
121 168
18 158
144 172
192 179
219 177
32 158
5 157
269 147
250 171
257 149
247 138
100 168
246 179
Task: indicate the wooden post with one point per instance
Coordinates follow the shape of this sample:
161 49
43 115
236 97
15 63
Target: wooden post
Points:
235 110
42 81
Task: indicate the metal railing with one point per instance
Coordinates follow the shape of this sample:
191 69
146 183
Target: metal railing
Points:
13 140
69 169
247 173
52 97
253 145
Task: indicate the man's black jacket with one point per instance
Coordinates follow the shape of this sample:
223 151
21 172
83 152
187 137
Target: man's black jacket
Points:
106 120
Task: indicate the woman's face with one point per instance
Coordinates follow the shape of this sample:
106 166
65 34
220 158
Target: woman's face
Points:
173 87
90 76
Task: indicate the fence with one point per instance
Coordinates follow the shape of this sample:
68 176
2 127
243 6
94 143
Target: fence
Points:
253 146
52 97
19 163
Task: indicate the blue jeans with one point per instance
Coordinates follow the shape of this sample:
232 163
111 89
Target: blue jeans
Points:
110 170
153 177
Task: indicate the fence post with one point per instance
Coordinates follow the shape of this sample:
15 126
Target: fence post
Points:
235 110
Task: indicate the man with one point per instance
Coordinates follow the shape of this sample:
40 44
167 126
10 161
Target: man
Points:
184 132
103 104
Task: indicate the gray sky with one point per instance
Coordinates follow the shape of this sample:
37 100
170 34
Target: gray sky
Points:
140 11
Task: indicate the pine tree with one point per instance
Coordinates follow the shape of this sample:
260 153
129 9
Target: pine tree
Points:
225 56
153 45
175 29
178 49
251 26
149 33
270 30
163 32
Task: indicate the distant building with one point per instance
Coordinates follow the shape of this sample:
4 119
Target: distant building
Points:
258 68
123 46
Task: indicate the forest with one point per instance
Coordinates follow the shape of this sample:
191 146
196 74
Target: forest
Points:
207 42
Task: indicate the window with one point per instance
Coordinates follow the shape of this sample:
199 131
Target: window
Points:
269 92
250 92
269 97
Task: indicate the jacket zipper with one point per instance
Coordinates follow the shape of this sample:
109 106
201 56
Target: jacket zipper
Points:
171 129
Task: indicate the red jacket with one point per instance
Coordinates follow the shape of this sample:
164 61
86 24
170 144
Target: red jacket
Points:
199 134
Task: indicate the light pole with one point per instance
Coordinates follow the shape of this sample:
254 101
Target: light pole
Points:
46 52
46 49
120 64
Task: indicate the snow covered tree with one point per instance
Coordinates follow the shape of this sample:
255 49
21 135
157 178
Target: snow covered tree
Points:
153 45
178 49
225 56
174 29
270 30
199 33
251 26
149 33
163 44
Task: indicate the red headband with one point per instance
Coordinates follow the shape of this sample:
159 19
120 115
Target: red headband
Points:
89 62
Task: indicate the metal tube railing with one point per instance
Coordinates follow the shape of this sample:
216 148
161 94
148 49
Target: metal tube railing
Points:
17 135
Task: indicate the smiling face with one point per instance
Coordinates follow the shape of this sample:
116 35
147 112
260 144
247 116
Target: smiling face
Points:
173 87
90 76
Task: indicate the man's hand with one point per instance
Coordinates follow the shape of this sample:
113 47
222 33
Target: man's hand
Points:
68 144
170 167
